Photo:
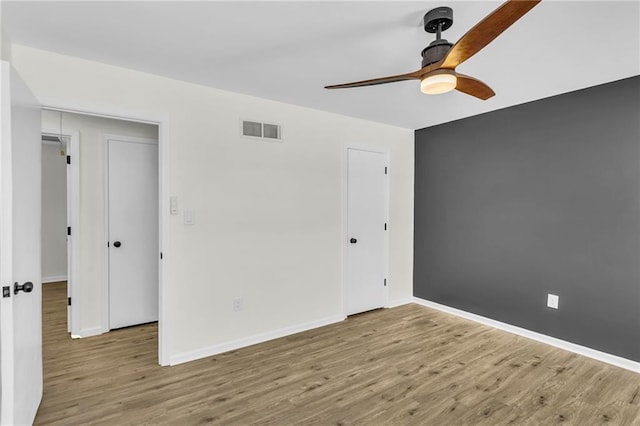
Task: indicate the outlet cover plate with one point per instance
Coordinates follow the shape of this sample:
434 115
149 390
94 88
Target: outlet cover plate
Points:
237 305
552 301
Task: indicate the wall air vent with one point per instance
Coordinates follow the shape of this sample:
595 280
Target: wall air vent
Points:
256 129
251 128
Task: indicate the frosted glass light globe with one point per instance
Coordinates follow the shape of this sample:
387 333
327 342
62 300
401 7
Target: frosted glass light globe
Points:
442 82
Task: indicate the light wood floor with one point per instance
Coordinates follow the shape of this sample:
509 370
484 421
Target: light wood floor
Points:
407 366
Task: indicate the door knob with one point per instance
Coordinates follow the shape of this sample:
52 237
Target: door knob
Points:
26 287
117 244
353 241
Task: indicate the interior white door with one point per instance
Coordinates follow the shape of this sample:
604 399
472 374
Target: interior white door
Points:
366 223
133 231
20 204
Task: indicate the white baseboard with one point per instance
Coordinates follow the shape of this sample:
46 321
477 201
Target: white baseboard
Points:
251 340
54 279
543 338
89 332
399 302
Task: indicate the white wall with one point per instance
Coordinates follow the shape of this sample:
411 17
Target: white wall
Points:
91 235
5 45
54 213
268 215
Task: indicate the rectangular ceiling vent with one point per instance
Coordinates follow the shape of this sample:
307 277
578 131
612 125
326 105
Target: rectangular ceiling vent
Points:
256 129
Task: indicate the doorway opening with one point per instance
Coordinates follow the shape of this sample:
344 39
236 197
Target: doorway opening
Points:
86 261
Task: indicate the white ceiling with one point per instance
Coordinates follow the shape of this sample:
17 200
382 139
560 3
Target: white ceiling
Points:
287 51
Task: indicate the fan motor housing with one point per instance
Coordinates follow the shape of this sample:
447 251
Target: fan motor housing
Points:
435 51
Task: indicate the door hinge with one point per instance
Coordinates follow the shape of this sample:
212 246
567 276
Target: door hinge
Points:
68 230
68 159
385 282
160 255
6 291
385 170
68 301
385 226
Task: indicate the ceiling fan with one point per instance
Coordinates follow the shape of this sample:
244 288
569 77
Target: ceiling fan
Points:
440 59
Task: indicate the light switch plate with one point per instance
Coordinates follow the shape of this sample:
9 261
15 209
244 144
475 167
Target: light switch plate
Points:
552 301
173 201
189 217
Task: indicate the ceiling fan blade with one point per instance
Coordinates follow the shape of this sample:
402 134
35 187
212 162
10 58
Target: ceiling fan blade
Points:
485 31
382 80
473 86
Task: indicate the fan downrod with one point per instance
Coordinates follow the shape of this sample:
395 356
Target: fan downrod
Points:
435 21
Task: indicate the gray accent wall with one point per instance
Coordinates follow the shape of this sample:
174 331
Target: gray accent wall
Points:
538 198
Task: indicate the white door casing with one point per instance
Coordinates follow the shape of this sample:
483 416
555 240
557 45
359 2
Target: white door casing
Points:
20 226
365 269
132 230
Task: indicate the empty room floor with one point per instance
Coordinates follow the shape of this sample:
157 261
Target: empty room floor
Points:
409 365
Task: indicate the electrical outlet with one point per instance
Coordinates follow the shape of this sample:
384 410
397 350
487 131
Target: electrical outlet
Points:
237 305
552 301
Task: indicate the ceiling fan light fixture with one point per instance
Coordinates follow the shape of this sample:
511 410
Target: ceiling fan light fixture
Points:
438 82
440 58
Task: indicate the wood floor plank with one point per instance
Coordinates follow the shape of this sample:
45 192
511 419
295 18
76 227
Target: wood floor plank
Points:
403 366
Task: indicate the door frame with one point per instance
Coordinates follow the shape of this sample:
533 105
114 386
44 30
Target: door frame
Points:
345 216
106 295
72 138
162 121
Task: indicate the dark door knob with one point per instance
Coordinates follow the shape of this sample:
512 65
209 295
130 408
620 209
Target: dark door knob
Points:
26 287
117 244
353 241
